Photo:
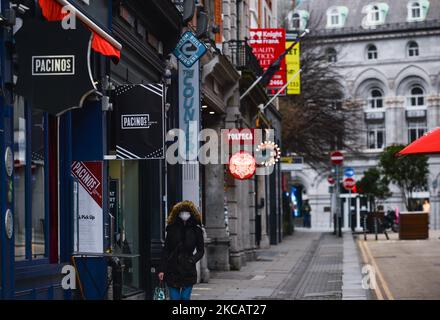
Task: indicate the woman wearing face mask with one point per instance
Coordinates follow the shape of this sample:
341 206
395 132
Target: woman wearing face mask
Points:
184 237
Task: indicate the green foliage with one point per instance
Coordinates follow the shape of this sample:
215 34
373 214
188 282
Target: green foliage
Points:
374 186
409 173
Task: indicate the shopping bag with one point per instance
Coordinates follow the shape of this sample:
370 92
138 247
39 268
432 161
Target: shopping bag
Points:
160 292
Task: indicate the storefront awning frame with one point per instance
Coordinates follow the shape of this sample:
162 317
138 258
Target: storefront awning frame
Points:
88 22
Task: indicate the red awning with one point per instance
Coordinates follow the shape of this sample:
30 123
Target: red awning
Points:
429 143
52 11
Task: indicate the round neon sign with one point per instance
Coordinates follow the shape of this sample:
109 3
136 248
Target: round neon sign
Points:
242 165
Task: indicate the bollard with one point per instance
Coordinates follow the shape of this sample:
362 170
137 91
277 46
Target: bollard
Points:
116 266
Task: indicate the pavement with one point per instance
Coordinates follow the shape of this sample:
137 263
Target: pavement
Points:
308 265
404 269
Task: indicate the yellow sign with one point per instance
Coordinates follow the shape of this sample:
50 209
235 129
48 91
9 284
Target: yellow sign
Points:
292 66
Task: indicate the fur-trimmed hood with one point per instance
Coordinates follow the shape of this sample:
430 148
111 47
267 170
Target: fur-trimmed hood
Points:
187 206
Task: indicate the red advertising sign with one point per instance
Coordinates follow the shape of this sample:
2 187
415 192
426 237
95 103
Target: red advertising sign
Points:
242 165
89 175
267 45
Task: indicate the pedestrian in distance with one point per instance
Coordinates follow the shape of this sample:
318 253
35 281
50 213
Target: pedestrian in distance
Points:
307 209
184 237
426 206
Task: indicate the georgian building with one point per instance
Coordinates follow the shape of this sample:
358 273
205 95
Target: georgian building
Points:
388 54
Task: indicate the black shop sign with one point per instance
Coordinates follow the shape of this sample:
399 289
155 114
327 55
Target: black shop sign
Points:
53 65
139 121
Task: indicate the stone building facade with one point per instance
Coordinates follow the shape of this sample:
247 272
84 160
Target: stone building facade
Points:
388 54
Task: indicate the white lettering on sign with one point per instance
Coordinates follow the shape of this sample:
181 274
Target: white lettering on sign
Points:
53 65
86 178
240 136
136 121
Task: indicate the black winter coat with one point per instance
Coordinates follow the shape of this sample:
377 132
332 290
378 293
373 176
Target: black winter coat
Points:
178 261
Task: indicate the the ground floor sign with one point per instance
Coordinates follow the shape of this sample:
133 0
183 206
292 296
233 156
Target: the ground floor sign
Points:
88 213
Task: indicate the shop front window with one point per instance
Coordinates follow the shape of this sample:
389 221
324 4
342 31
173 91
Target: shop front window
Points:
20 178
29 182
124 176
38 184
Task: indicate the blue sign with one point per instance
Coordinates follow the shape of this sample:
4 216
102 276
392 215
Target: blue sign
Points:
189 49
349 172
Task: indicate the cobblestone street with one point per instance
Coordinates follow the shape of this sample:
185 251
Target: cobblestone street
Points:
305 266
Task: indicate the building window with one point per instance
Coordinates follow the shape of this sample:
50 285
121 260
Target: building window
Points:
413 49
375 100
331 55
372 52
418 10
295 22
415 10
417 97
336 16
374 14
416 130
376 136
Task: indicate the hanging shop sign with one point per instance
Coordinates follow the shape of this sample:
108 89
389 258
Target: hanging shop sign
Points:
139 114
189 122
88 213
189 49
242 165
267 45
54 67
292 67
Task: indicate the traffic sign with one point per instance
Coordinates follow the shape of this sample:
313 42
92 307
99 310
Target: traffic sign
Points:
349 183
189 49
331 180
337 158
349 172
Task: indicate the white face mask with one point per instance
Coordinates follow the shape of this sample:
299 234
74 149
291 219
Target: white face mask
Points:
184 215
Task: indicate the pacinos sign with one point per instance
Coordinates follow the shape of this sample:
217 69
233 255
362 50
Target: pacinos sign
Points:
139 113
54 67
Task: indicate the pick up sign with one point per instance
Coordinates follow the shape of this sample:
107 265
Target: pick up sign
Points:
88 213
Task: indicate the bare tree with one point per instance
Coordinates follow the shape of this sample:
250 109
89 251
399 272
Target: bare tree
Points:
321 118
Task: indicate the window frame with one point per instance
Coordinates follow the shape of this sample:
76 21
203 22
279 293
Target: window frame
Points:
296 21
374 14
373 100
374 53
29 258
411 50
415 7
416 98
417 126
331 55
376 128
